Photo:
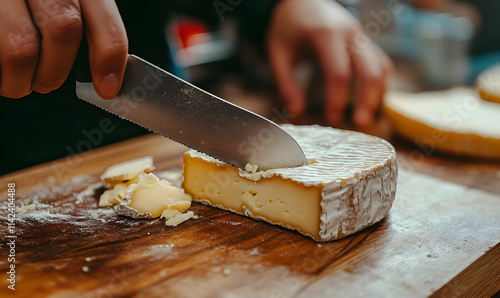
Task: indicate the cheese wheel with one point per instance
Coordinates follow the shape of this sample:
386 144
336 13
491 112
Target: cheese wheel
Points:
349 184
488 84
454 121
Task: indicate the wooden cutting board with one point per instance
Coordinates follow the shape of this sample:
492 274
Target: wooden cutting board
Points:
440 239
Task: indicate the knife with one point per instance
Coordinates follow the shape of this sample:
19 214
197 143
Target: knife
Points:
174 108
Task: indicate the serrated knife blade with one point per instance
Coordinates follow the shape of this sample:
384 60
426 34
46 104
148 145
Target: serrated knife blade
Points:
174 108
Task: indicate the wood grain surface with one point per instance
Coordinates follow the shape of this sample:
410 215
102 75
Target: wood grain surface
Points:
441 238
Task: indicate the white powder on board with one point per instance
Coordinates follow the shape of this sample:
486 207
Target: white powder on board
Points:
160 251
56 204
88 192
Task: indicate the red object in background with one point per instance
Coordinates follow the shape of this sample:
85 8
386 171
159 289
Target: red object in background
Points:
186 29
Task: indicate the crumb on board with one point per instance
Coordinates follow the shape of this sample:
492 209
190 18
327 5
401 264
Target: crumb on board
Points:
254 252
25 208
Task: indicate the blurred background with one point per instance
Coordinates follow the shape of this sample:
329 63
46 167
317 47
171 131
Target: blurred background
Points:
434 45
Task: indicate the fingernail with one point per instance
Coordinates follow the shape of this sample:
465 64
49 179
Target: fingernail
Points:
363 117
109 86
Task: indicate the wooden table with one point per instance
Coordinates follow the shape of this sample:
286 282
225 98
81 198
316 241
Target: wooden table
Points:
441 238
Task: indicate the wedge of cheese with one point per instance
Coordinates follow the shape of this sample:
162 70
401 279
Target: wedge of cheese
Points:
455 121
349 184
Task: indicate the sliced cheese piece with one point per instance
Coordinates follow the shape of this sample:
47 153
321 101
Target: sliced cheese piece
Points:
127 172
150 197
454 121
175 218
349 184
25 208
488 84
113 196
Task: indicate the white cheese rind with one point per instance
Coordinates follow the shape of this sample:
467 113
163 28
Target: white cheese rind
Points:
356 173
358 203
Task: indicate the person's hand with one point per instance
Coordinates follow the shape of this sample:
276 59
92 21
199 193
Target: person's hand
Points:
39 40
328 31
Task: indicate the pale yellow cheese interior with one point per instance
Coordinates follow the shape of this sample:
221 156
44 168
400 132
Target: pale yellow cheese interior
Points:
113 196
276 200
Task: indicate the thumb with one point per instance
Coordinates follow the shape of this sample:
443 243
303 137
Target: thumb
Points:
108 45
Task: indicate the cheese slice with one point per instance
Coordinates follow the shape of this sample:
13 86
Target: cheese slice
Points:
455 121
349 184
127 172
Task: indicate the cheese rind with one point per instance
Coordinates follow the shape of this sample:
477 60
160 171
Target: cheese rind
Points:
349 184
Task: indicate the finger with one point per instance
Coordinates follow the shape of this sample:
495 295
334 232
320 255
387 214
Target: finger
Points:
370 82
282 61
108 45
335 62
60 25
19 44
387 63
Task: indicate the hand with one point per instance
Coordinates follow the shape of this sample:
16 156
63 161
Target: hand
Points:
328 31
39 40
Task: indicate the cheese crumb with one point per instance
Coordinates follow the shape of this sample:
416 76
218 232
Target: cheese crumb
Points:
254 252
178 218
25 208
113 196
250 168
